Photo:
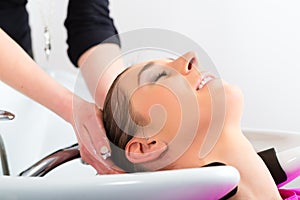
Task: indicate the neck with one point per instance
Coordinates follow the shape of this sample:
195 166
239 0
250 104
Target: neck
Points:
235 150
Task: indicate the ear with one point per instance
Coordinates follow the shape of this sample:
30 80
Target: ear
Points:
139 150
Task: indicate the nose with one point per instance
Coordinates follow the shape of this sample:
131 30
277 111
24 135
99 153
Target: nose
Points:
185 63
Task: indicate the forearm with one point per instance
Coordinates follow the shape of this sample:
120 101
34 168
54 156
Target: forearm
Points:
99 66
19 71
93 28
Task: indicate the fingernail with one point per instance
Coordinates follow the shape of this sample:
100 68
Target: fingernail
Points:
105 153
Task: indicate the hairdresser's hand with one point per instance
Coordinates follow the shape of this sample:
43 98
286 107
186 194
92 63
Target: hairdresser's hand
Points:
93 143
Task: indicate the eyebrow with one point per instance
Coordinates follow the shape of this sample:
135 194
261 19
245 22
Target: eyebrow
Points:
146 66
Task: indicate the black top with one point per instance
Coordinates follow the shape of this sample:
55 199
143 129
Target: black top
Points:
11 3
270 159
88 23
14 21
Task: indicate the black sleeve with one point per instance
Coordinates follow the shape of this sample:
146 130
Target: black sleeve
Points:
270 159
14 20
88 23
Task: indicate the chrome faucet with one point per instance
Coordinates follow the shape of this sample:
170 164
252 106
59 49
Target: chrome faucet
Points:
52 161
3 156
46 164
4 115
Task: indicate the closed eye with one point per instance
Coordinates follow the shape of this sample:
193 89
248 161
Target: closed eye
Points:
160 75
152 72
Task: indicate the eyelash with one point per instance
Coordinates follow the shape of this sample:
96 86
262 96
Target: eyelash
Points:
161 74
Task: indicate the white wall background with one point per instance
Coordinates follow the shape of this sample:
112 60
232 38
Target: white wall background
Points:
254 44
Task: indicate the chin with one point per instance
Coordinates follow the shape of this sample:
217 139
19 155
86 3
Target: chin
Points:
234 102
233 94
228 93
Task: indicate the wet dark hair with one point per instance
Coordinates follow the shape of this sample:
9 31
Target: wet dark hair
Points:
120 124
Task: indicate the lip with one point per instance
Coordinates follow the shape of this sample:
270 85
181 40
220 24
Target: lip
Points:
205 78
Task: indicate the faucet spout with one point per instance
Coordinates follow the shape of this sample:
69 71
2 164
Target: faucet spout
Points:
51 161
4 115
3 156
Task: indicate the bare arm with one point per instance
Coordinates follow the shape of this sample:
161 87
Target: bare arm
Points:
19 71
100 65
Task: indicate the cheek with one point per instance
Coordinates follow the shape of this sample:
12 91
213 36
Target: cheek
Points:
219 97
159 107
219 103
233 104
205 106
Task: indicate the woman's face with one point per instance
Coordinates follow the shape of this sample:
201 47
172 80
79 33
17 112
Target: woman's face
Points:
179 104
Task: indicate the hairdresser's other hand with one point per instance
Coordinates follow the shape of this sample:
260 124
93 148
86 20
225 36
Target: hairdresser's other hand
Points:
92 140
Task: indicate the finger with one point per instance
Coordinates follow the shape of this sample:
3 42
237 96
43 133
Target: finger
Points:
101 166
109 168
99 142
98 135
101 170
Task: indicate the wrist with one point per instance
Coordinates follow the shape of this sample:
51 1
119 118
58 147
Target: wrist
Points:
65 107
